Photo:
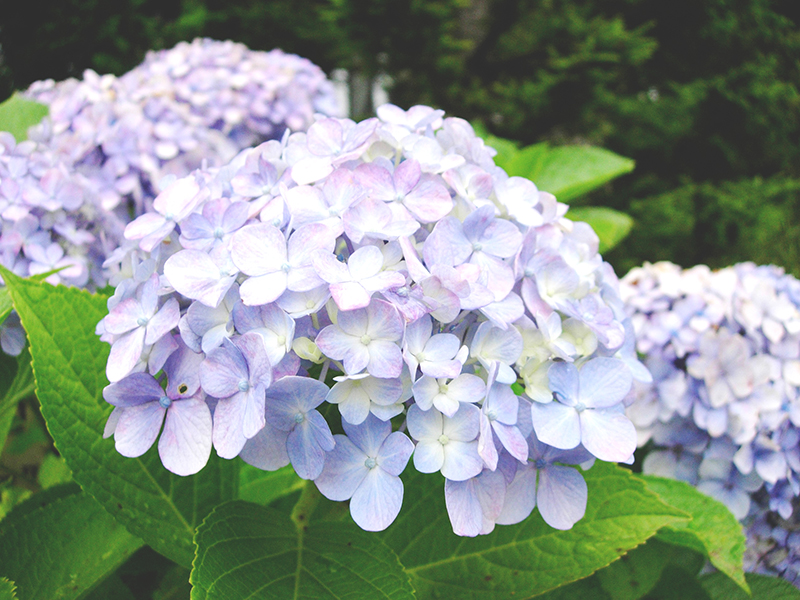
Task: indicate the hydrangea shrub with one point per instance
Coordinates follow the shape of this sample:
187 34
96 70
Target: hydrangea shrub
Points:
389 268
722 412
109 143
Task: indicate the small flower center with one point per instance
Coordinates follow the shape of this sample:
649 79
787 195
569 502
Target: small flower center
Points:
492 415
299 418
276 222
365 339
169 216
164 401
219 233
281 340
580 407
310 304
443 440
529 273
477 247
244 386
402 292
142 321
285 267
443 388
370 463
540 463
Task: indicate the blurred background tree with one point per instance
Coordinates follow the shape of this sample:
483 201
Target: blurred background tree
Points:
703 94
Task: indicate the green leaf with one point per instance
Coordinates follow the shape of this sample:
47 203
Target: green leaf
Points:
713 530
5 304
69 364
621 514
639 571
762 587
18 113
572 171
250 551
610 225
7 589
263 487
16 384
62 547
111 587
678 584
174 585
53 471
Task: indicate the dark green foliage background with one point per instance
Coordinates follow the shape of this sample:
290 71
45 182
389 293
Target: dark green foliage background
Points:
703 94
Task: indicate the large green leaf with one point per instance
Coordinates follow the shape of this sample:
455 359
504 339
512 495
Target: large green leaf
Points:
69 364
611 226
18 113
16 383
262 487
572 171
60 544
762 587
5 304
565 171
639 571
713 530
527 558
249 551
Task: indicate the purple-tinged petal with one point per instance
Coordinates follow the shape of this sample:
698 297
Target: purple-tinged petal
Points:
123 317
258 249
561 496
377 501
369 435
512 440
306 455
185 443
556 424
520 498
138 428
606 433
344 470
394 453
604 382
461 460
227 432
125 353
263 289
193 274
164 321
266 450
385 359
487 449
564 380
251 345
222 371
464 425
428 456
133 390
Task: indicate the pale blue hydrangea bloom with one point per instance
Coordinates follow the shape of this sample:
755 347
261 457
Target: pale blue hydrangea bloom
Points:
390 268
723 408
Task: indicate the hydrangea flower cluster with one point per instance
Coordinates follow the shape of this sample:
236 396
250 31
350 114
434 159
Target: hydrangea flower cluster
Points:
109 143
348 298
198 103
773 546
50 218
723 411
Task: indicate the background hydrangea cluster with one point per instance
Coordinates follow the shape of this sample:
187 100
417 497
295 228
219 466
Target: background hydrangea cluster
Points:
197 103
97 161
389 268
723 410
